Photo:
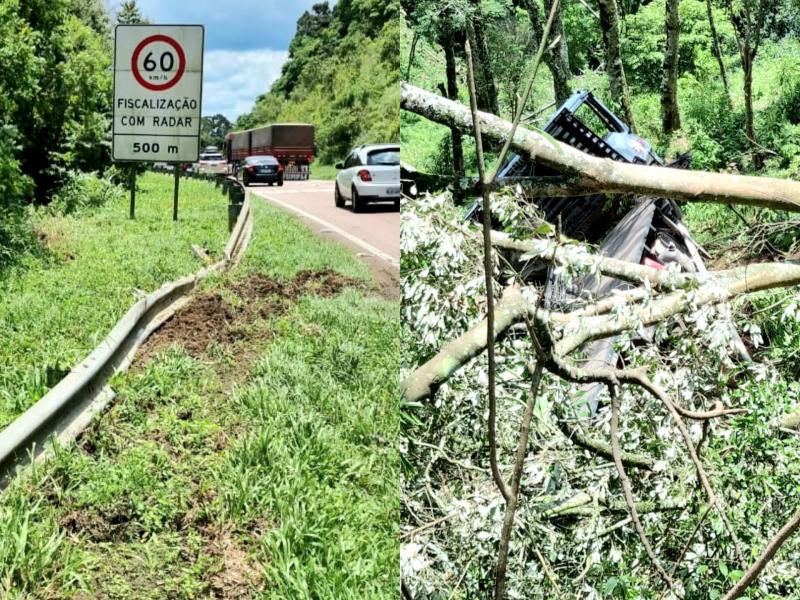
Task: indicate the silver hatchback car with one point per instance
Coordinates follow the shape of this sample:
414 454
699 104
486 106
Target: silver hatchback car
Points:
369 174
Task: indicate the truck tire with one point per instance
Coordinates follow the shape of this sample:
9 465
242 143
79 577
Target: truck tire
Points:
358 203
337 197
280 182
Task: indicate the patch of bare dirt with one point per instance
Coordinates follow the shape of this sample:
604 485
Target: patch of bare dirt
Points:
324 283
209 317
97 527
239 574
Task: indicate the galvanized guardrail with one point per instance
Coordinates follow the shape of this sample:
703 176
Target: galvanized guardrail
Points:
68 408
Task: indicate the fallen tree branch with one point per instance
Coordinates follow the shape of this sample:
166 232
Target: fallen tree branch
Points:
612 377
488 268
605 175
424 380
628 493
561 255
603 449
580 506
714 288
772 547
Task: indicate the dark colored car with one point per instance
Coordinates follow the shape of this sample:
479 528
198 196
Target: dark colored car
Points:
261 169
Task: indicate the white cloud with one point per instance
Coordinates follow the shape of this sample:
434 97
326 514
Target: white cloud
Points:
233 79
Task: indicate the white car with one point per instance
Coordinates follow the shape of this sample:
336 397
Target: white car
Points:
369 174
212 163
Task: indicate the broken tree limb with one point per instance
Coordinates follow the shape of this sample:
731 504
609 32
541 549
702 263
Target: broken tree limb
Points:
763 560
586 505
612 377
714 288
564 254
605 175
603 449
628 492
423 381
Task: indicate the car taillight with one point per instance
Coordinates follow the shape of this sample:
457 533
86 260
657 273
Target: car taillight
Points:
364 175
280 168
251 169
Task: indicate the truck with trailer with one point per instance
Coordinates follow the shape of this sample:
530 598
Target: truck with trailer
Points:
291 143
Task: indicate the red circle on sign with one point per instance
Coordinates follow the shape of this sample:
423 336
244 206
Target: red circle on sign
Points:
135 63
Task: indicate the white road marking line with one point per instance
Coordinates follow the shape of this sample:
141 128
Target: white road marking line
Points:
349 236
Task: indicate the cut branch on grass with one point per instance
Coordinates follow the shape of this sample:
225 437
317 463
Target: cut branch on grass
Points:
628 493
603 449
763 559
606 175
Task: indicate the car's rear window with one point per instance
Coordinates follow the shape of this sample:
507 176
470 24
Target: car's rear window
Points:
262 160
211 157
389 157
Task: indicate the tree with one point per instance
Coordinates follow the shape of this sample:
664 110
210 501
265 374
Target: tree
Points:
718 52
484 76
214 129
556 58
452 93
129 14
609 23
748 19
670 115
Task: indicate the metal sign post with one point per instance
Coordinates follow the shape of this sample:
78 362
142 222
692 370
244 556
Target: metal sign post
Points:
132 182
158 80
175 193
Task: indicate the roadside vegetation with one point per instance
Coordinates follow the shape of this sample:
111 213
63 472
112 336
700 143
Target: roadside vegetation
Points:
341 76
250 452
91 265
574 533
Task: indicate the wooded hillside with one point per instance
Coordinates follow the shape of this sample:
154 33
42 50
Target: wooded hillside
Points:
341 76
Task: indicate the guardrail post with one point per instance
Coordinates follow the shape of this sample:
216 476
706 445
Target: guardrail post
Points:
236 200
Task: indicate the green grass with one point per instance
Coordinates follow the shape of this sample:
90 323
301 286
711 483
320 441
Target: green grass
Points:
320 171
271 461
59 305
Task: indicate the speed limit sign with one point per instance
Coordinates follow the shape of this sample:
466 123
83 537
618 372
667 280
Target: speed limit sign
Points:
158 80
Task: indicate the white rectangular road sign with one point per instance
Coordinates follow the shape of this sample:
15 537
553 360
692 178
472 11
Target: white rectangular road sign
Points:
158 81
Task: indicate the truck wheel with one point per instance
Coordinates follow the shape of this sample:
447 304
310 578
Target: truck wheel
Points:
280 182
358 203
337 197
245 181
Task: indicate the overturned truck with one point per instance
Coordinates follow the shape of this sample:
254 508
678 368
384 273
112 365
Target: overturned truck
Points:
640 229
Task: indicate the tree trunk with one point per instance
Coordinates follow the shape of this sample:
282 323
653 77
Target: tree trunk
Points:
747 67
452 93
411 54
718 54
609 23
670 116
485 87
604 175
556 59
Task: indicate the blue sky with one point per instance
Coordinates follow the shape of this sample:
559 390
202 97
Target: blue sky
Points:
246 43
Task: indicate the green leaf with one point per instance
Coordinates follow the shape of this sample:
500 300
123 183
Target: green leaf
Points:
610 585
723 568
